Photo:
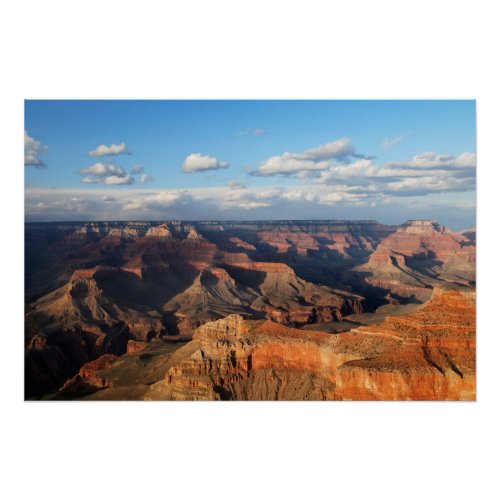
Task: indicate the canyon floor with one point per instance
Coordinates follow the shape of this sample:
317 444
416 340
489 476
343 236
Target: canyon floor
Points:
264 310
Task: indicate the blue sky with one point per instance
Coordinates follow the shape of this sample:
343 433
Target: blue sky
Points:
388 160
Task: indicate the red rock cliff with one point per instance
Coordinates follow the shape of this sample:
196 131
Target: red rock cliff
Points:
426 355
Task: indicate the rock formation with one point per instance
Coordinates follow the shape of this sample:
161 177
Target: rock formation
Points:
427 355
115 288
419 256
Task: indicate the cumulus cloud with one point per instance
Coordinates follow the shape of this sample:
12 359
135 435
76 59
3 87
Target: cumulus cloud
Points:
335 182
116 180
288 164
390 142
137 169
113 149
431 159
466 160
311 160
425 173
335 149
102 173
197 162
102 170
32 151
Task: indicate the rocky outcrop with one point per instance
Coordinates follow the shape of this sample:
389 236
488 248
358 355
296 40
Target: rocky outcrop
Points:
429 354
237 359
161 231
426 355
193 234
135 346
88 372
417 257
288 299
238 242
99 285
214 294
88 379
127 377
50 359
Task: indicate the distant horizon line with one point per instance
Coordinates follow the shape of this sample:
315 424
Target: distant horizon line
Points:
220 220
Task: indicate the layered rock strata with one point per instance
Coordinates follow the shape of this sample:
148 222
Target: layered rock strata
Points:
97 288
426 355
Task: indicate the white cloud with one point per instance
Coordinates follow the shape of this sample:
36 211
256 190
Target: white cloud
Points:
113 149
390 142
133 205
240 199
261 194
137 169
311 160
431 159
334 149
63 207
315 201
358 169
251 205
90 180
466 160
287 164
196 162
338 197
116 180
145 178
102 173
32 151
299 195
327 189
161 199
425 173
102 170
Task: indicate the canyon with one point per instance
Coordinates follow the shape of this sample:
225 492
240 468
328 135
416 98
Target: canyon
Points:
249 310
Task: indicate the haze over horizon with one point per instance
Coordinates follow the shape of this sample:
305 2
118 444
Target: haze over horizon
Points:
251 160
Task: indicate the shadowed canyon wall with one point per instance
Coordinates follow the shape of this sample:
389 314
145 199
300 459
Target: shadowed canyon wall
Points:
113 288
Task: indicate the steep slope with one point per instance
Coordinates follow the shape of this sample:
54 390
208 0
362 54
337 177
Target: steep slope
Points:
288 299
127 377
77 323
91 287
214 294
417 257
82 303
429 354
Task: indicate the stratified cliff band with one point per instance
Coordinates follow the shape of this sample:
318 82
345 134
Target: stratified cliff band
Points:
336 310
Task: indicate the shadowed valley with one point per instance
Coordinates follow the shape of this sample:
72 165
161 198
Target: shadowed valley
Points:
264 310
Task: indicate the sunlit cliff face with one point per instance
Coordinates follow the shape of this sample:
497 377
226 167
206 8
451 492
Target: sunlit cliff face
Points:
119 288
